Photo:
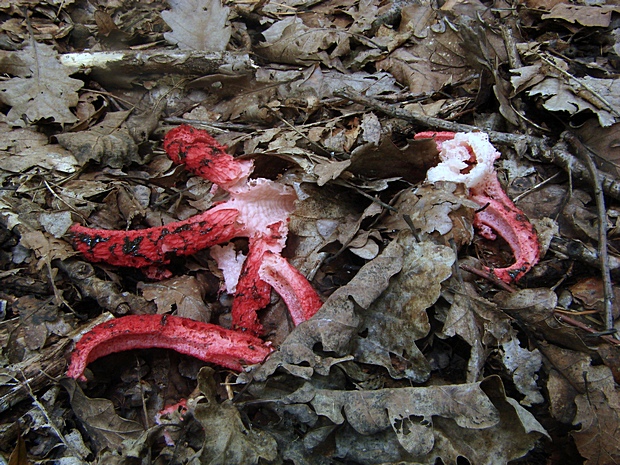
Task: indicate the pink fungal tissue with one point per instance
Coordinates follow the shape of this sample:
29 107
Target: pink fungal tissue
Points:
468 158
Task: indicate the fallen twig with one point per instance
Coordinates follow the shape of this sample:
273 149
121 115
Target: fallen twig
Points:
578 324
558 154
602 227
579 251
158 61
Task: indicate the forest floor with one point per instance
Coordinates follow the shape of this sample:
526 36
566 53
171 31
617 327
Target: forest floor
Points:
420 353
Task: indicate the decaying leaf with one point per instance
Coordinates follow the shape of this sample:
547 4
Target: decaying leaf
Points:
603 142
586 15
227 440
386 160
421 425
41 88
198 24
397 319
444 55
316 221
107 142
182 294
46 247
22 149
476 321
291 41
560 91
408 411
19 456
435 209
523 365
97 416
534 309
39 319
329 170
590 393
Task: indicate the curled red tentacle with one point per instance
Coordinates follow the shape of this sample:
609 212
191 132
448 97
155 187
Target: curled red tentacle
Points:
207 342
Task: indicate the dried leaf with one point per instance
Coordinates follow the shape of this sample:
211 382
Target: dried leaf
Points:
291 41
42 88
106 142
598 414
198 24
438 208
427 425
579 94
591 16
183 294
534 309
97 416
477 322
603 142
595 394
39 319
523 365
329 170
316 221
227 440
409 411
46 247
19 456
445 55
22 149
56 223
398 318
387 160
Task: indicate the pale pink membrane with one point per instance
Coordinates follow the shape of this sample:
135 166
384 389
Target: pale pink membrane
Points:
230 261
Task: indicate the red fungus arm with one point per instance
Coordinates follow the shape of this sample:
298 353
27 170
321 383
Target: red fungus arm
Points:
154 246
207 342
258 209
252 293
205 157
498 213
300 297
263 269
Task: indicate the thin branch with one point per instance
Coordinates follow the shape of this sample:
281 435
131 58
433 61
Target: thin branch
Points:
558 154
608 290
159 61
578 324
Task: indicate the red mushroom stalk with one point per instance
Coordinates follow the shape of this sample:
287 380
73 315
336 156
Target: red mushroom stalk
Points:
207 342
468 158
258 209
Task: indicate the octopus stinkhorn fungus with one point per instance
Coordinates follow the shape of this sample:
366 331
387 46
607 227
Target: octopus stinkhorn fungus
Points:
468 158
207 342
258 209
